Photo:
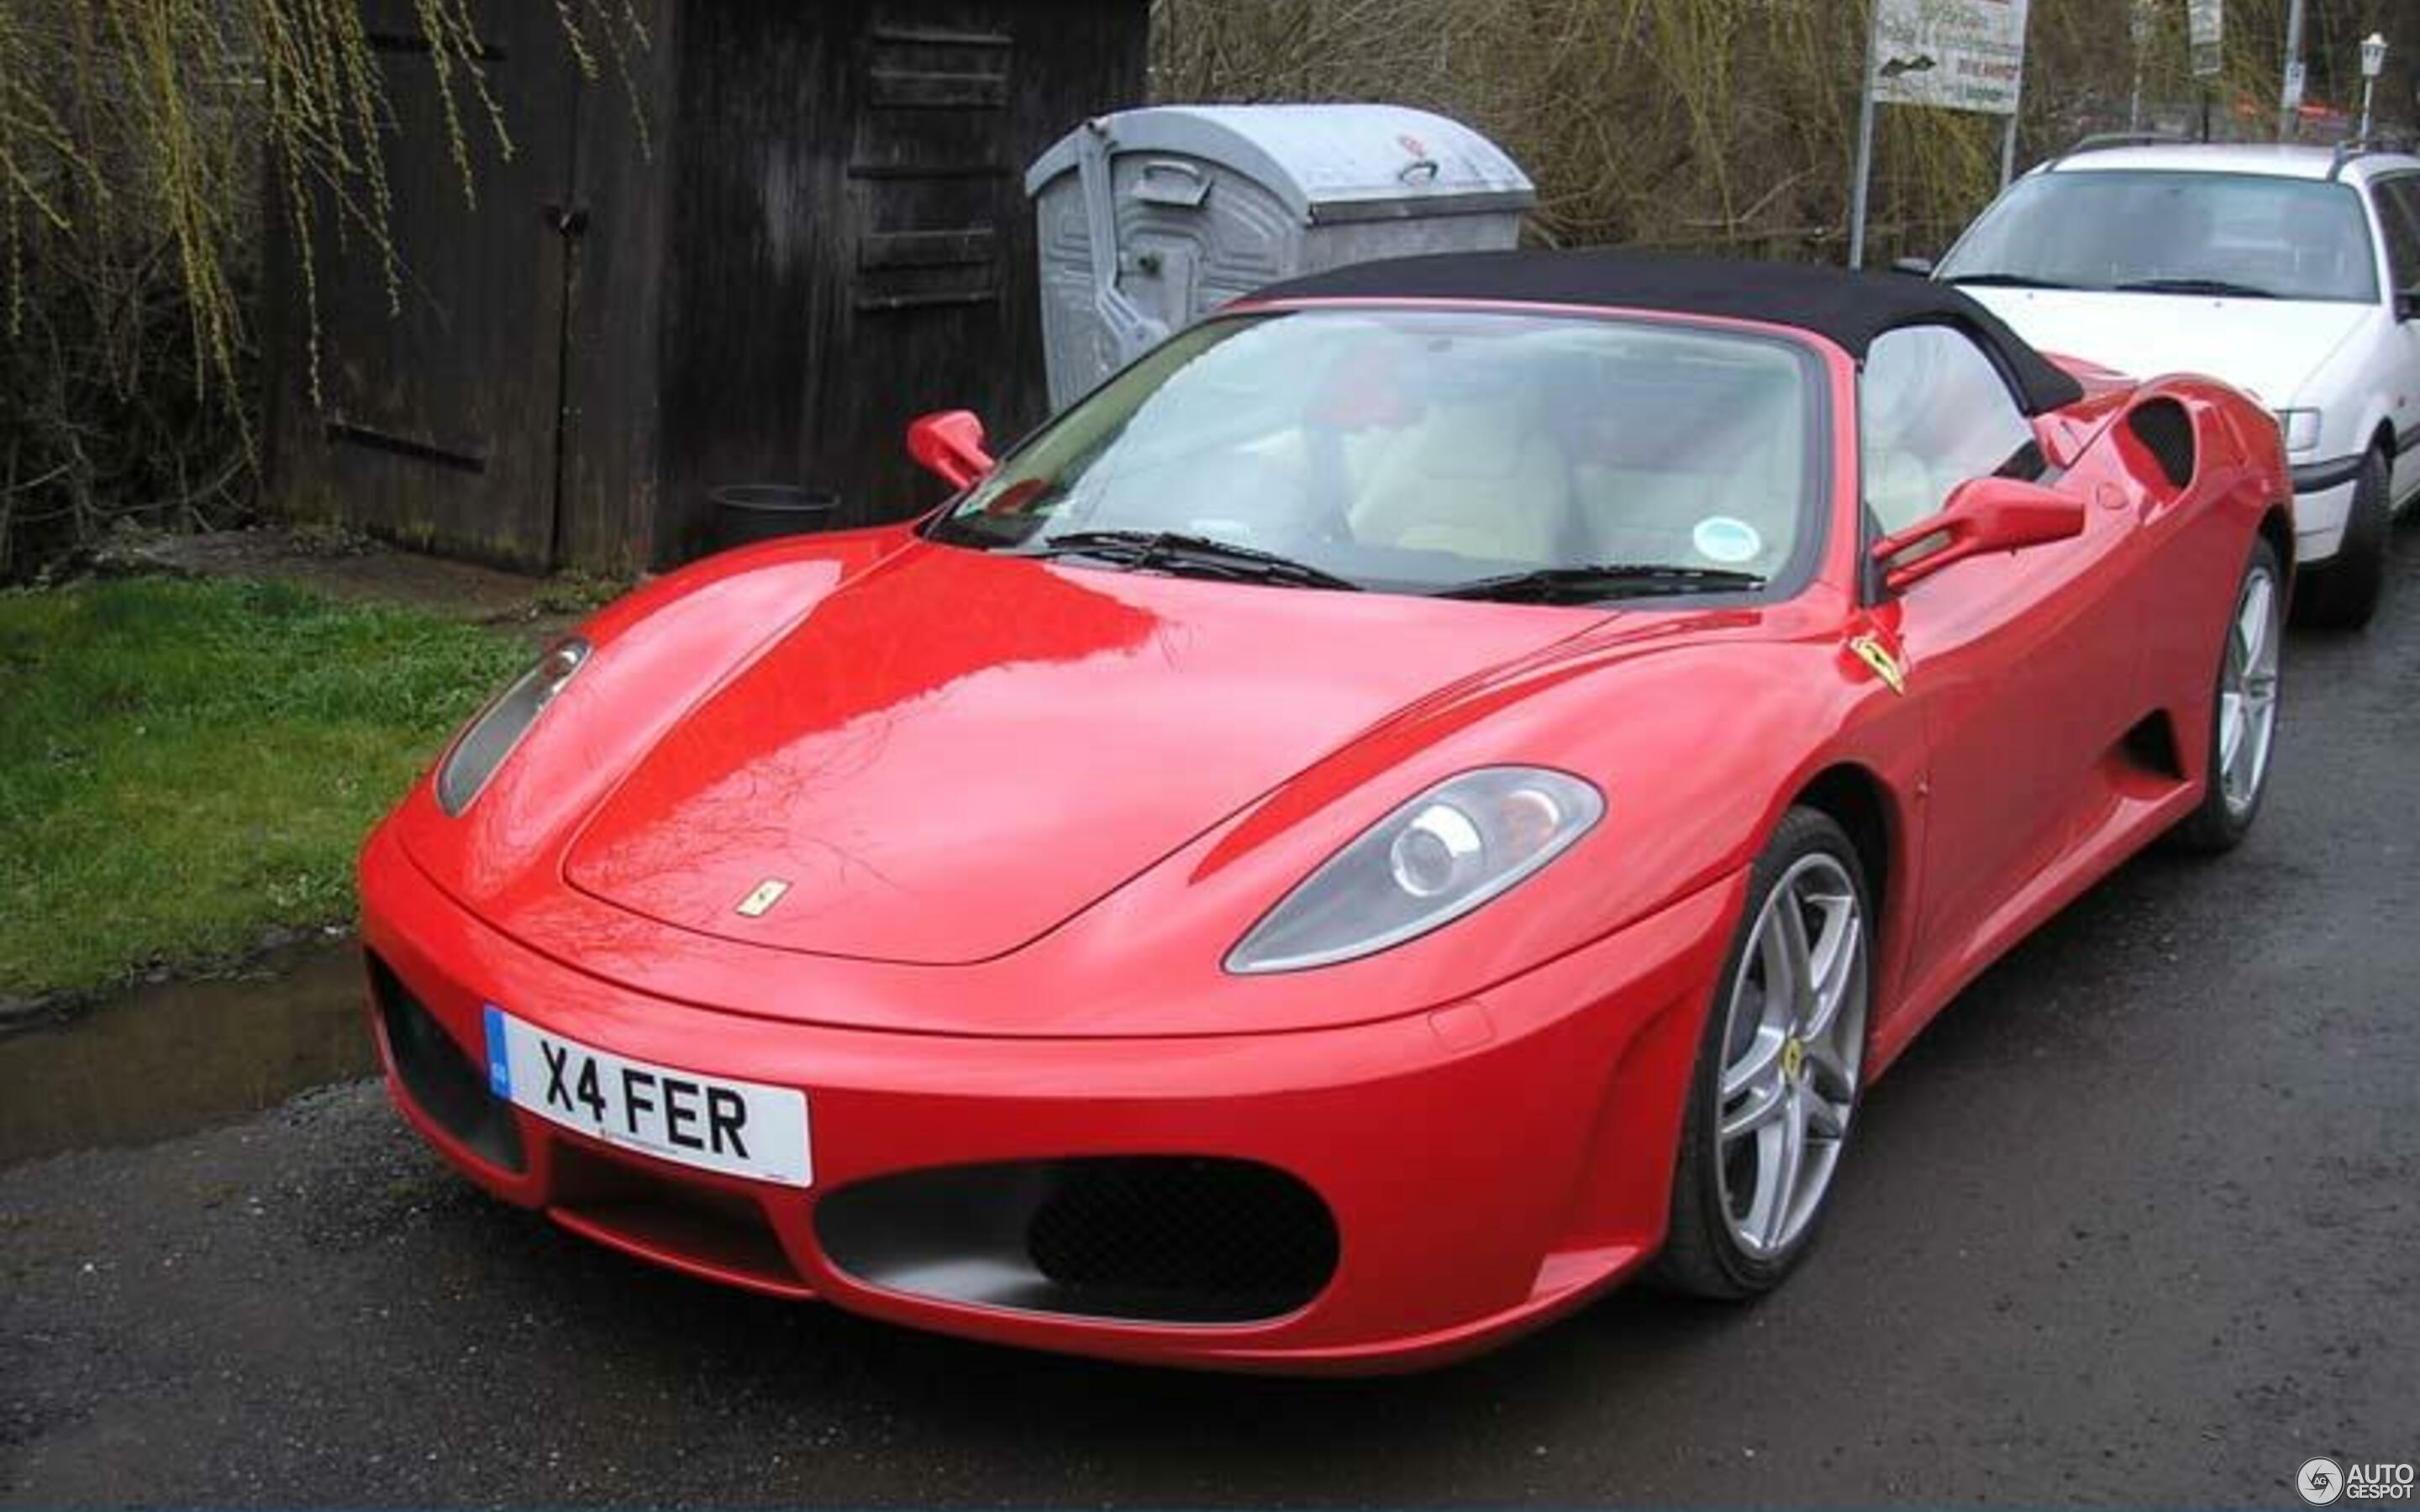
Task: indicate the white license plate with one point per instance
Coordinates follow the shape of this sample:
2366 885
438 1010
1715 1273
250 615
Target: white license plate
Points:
713 1122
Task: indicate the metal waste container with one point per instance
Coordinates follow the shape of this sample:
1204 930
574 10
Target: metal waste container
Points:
746 512
1150 219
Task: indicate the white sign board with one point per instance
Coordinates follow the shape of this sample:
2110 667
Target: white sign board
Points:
2205 22
1957 55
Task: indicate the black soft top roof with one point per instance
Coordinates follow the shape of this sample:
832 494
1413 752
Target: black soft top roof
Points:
1851 309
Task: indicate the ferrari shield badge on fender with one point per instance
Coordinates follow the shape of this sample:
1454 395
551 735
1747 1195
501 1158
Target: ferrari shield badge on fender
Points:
1875 654
759 901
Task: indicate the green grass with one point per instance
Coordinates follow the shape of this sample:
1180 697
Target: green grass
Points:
184 764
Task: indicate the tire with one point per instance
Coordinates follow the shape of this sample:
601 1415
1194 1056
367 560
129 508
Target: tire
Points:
1809 1094
2236 778
2342 593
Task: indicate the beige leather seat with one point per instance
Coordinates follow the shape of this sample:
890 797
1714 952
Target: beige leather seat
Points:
1900 489
1635 514
1641 497
1475 476
1935 413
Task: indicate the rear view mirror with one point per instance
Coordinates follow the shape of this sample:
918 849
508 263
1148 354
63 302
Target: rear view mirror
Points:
1982 514
950 445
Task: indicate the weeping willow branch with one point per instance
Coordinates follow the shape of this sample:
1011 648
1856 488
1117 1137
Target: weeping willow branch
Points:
136 137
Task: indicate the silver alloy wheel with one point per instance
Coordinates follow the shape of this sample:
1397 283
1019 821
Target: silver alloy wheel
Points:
1794 1042
2247 691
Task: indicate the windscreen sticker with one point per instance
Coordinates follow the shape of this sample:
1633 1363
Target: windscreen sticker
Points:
1724 539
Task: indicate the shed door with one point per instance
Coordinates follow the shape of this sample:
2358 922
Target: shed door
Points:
950 99
440 419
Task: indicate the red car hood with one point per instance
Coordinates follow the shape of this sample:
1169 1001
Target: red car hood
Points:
956 753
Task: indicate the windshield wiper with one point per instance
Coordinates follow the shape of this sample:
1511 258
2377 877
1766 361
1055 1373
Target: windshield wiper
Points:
1589 584
2005 281
2217 287
1175 551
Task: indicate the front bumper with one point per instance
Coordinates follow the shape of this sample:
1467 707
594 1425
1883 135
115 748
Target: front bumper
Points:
1487 1163
2322 502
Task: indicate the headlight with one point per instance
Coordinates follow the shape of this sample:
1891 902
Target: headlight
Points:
491 736
1463 842
2300 428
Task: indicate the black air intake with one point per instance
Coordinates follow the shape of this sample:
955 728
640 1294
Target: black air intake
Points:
442 1080
1178 1239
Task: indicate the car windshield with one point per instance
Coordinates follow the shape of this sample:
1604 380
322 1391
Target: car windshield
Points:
2145 231
1429 451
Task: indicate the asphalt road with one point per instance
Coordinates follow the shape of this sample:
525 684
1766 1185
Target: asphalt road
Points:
2138 1221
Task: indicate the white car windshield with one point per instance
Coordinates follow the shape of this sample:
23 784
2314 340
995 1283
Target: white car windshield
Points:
2149 231
1430 451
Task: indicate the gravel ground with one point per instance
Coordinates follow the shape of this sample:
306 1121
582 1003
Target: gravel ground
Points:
2134 1222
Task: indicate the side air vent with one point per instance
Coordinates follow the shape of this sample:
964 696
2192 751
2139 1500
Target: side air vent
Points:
2150 746
2166 432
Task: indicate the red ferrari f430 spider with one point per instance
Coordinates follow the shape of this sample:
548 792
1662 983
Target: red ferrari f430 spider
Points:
1430 792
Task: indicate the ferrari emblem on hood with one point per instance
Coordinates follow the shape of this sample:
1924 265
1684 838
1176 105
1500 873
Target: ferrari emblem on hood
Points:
762 898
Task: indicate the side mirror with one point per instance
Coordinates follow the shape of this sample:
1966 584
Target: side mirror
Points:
2407 303
1982 514
950 445
1914 267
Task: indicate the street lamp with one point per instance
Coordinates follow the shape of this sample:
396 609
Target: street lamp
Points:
2373 63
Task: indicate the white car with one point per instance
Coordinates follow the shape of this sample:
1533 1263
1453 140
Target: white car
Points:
2292 272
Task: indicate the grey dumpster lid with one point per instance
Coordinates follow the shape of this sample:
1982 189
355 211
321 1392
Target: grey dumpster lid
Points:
1326 162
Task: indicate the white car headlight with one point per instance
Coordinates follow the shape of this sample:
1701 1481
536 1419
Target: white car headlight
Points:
1461 842
2300 428
491 735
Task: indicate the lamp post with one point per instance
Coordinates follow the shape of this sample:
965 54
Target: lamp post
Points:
2373 63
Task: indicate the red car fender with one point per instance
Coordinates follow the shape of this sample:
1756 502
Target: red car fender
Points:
690 628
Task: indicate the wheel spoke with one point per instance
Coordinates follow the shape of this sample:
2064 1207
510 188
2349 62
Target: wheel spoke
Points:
1764 1106
1790 919
1781 969
1790 1160
2252 620
1834 961
1825 1120
1762 1063
1828 1069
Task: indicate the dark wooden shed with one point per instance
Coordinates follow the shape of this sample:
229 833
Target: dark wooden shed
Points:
822 233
